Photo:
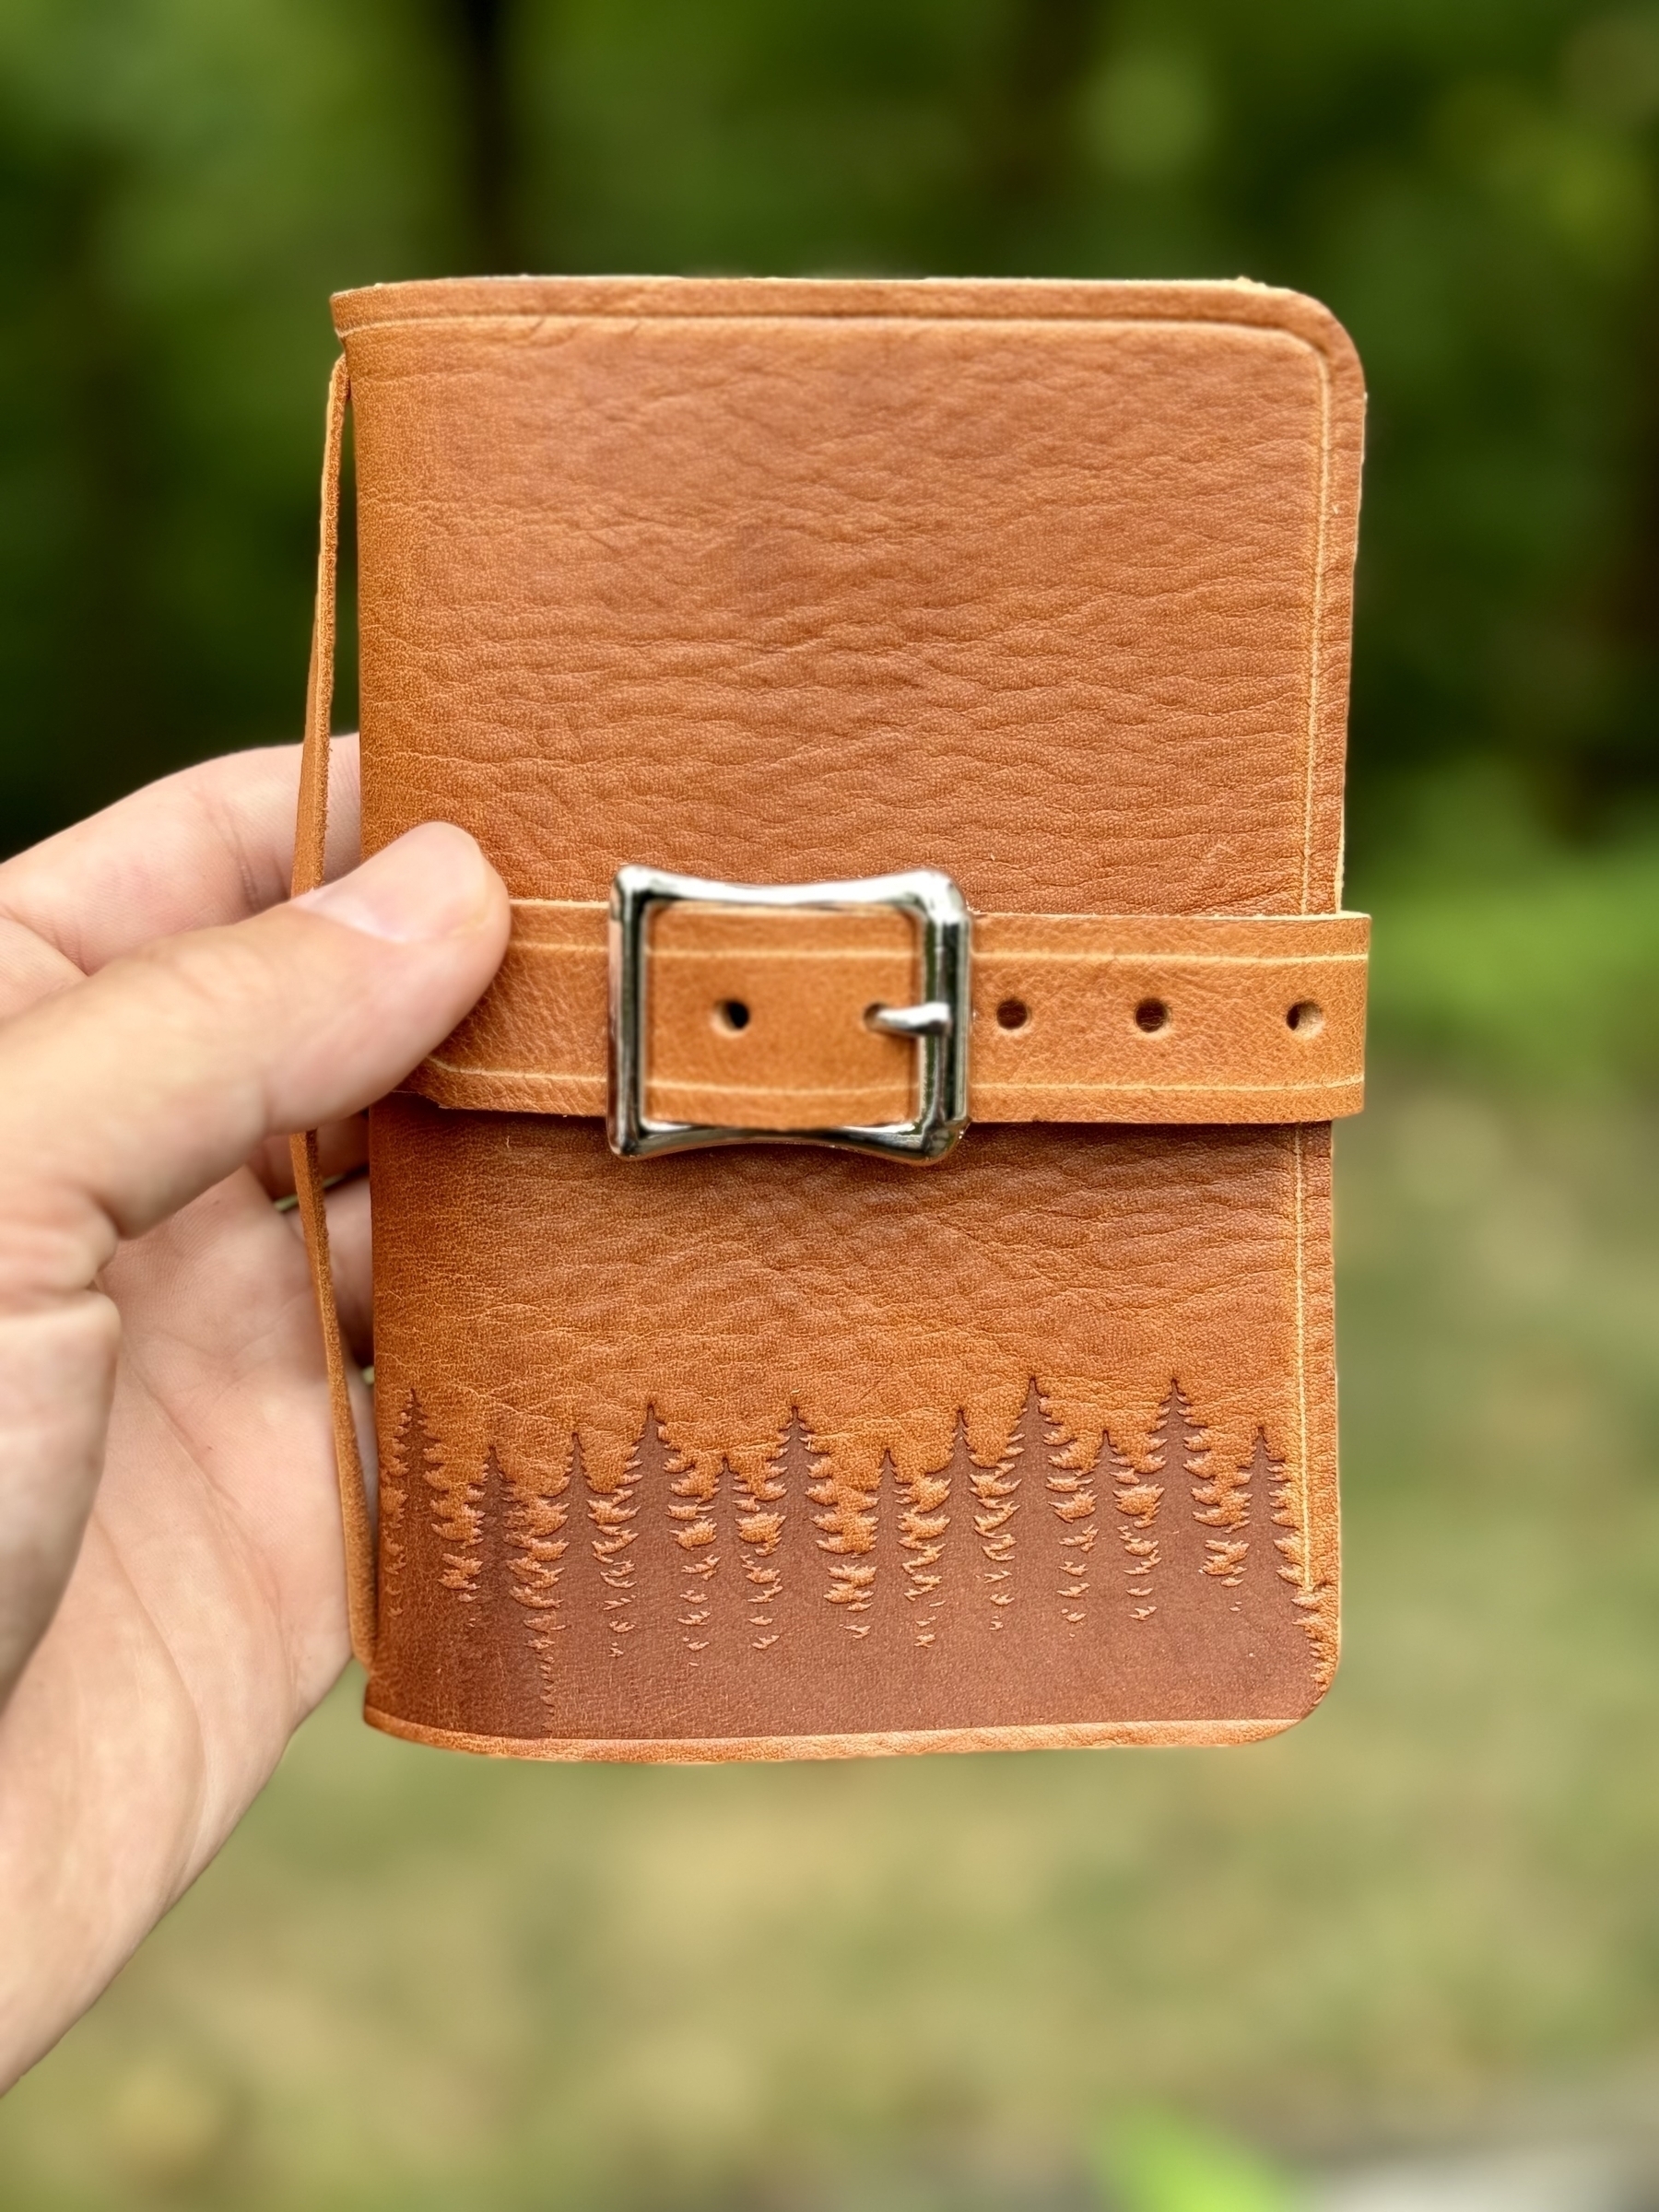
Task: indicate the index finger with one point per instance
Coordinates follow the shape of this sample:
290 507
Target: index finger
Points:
213 844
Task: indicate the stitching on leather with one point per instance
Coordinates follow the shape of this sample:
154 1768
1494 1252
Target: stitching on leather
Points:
543 1075
1316 628
530 321
885 1743
1303 1480
596 909
507 1075
997 1083
1183 959
1216 1089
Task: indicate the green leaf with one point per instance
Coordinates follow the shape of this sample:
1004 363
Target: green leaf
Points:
1160 2162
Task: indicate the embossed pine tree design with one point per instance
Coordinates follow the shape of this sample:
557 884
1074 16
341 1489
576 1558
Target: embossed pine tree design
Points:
996 1503
694 1496
409 1564
1276 1566
613 1513
640 1560
761 1504
922 1528
1137 1501
413 1455
887 1619
506 1699
459 1641
1224 1504
1179 1453
1272 1552
1075 1498
811 1625
460 1524
846 1517
537 1542
577 1656
433 1528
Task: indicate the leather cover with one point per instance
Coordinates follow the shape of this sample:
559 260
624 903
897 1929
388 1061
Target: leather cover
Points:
777 1450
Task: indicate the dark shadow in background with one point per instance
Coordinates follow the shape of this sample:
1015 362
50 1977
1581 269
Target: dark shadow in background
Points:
1476 193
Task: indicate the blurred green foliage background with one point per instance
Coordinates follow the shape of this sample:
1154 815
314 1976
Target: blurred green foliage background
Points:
1427 1916
1473 187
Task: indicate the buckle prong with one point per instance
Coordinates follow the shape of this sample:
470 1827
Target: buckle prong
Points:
932 1018
937 1024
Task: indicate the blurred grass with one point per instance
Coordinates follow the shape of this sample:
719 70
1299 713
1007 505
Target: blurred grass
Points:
1161 2162
420 1981
1547 978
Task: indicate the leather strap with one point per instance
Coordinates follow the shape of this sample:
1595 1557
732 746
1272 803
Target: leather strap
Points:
756 1019
310 841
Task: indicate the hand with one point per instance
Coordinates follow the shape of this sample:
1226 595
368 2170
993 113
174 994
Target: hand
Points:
172 1579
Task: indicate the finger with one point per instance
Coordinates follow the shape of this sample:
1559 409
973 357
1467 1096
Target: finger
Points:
30 969
126 1097
123 1099
344 1147
212 844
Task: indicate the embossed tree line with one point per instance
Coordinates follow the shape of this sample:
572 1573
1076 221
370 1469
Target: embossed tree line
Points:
500 1587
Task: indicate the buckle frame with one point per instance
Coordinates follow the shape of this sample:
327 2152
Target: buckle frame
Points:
938 1022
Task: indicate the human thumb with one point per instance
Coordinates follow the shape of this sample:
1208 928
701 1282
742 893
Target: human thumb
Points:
128 1095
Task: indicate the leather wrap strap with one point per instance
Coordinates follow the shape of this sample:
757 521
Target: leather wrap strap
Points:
311 842
756 1019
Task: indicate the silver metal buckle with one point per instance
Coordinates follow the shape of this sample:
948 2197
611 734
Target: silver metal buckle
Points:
938 1022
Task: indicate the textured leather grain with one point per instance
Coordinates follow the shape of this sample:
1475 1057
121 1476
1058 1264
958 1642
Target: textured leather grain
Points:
773 1451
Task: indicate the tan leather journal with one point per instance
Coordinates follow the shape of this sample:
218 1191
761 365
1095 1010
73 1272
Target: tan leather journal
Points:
861 1278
